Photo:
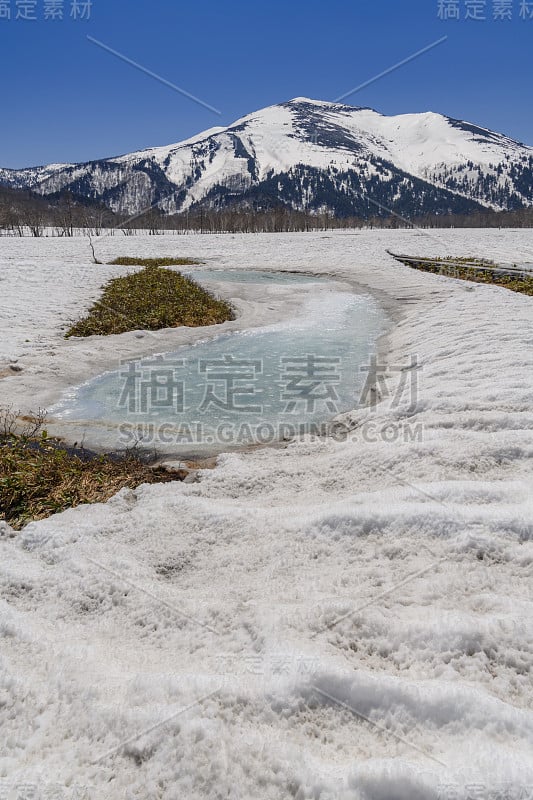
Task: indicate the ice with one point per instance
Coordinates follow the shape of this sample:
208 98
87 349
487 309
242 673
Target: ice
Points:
359 608
336 353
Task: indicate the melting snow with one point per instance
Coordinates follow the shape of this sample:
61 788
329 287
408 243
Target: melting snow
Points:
335 619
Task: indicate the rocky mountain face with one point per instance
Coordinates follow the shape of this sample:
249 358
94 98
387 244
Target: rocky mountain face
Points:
314 156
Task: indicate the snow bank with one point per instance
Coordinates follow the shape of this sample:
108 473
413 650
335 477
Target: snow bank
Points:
335 619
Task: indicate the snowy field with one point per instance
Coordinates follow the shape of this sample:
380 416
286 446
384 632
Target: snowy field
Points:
336 620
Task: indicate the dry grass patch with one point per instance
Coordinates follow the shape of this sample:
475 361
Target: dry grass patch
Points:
467 269
128 261
151 299
40 477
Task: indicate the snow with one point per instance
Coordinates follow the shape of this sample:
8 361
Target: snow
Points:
99 400
281 137
416 143
420 142
351 617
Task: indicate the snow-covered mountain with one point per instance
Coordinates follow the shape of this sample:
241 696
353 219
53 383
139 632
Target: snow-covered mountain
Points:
312 155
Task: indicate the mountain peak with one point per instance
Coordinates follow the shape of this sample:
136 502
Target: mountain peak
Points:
324 104
313 155
308 101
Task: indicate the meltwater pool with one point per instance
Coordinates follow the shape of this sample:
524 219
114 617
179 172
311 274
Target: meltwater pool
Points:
238 389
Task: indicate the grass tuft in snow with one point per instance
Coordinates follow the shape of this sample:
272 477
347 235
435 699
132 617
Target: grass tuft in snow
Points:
151 299
127 261
475 270
39 477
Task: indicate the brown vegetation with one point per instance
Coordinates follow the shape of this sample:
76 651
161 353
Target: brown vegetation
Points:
151 299
40 477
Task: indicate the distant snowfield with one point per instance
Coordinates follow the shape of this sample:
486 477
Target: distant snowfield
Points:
343 620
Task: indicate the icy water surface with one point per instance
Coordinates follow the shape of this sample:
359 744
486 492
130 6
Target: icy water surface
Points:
263 277
238 389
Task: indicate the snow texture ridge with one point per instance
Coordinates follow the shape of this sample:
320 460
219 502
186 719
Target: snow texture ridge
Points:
336 620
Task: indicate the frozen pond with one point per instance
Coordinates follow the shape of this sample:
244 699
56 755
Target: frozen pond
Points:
238 389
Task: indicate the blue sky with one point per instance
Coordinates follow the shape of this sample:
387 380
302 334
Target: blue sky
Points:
66 99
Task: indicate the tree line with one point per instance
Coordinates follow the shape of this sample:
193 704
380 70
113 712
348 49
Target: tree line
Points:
25 213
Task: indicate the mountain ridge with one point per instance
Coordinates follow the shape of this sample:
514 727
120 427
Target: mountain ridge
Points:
309 155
